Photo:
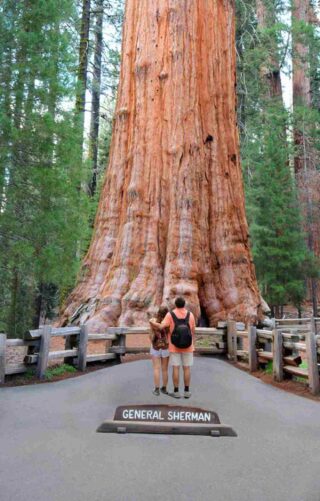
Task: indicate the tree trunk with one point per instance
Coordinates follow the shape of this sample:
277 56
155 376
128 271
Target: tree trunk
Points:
271 71
6 132
96 85
14 292
171 218
301 63
83 64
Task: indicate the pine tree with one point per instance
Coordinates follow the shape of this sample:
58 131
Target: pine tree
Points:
279 250
280 255
306 118
43 212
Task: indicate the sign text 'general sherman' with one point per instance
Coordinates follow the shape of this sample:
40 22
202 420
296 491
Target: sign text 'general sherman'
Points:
166 419
165 413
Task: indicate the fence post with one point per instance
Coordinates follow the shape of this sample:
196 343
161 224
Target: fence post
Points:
232 340
311 346
44 351
253 357
122 343
3 342
71 343
118 346
268 345
277 355
82 348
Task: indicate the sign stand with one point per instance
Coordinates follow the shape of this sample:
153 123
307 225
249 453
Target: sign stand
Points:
166 419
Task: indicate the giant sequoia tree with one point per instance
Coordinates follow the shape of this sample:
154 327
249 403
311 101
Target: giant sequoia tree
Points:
171 218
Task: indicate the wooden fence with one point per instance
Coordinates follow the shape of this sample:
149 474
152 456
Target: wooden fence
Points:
283 345
281 342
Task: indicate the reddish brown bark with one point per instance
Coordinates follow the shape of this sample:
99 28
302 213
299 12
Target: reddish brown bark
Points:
301 78
171 218
301 66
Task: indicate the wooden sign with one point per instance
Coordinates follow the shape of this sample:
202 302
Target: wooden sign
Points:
166 419
165 413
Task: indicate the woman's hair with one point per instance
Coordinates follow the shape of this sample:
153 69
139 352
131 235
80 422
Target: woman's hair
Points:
163 310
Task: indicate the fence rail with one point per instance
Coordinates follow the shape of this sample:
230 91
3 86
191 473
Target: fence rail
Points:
282 345
282 342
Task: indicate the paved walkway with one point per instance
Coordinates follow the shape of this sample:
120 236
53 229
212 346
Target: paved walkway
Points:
50 450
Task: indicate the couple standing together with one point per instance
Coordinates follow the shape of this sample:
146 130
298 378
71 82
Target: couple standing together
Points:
172 338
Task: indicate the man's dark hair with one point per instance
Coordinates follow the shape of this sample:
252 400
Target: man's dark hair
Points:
180 302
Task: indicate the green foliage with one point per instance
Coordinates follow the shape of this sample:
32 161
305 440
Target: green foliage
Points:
278 242
29 374
60 370
43 217
269 368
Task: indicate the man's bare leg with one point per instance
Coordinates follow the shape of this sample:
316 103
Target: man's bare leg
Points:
186 375
187 379
175 375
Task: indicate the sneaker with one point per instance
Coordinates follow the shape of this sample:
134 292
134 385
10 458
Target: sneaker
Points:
156 392
175 394
164 391
187 394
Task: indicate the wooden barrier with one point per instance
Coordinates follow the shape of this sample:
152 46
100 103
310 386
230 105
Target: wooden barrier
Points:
282 345
3 344
38 350
75 352
277 355
232 340
43 356
82 350
312 357
253 357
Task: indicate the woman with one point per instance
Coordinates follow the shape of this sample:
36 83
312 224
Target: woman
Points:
160 353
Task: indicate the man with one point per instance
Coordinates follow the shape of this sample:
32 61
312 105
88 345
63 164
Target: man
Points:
181 324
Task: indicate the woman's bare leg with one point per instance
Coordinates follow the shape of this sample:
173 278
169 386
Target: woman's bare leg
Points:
164 369
156 371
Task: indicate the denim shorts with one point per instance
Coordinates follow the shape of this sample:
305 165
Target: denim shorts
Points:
159 353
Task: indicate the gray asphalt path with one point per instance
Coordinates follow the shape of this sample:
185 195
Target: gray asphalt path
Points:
50 450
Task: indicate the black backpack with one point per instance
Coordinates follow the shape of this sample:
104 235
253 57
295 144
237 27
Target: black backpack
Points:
181 336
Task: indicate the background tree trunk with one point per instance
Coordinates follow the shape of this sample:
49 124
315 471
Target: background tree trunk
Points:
171 218
270 72
83 65
96 87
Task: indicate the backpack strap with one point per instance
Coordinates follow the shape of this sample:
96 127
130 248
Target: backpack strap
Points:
176 319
